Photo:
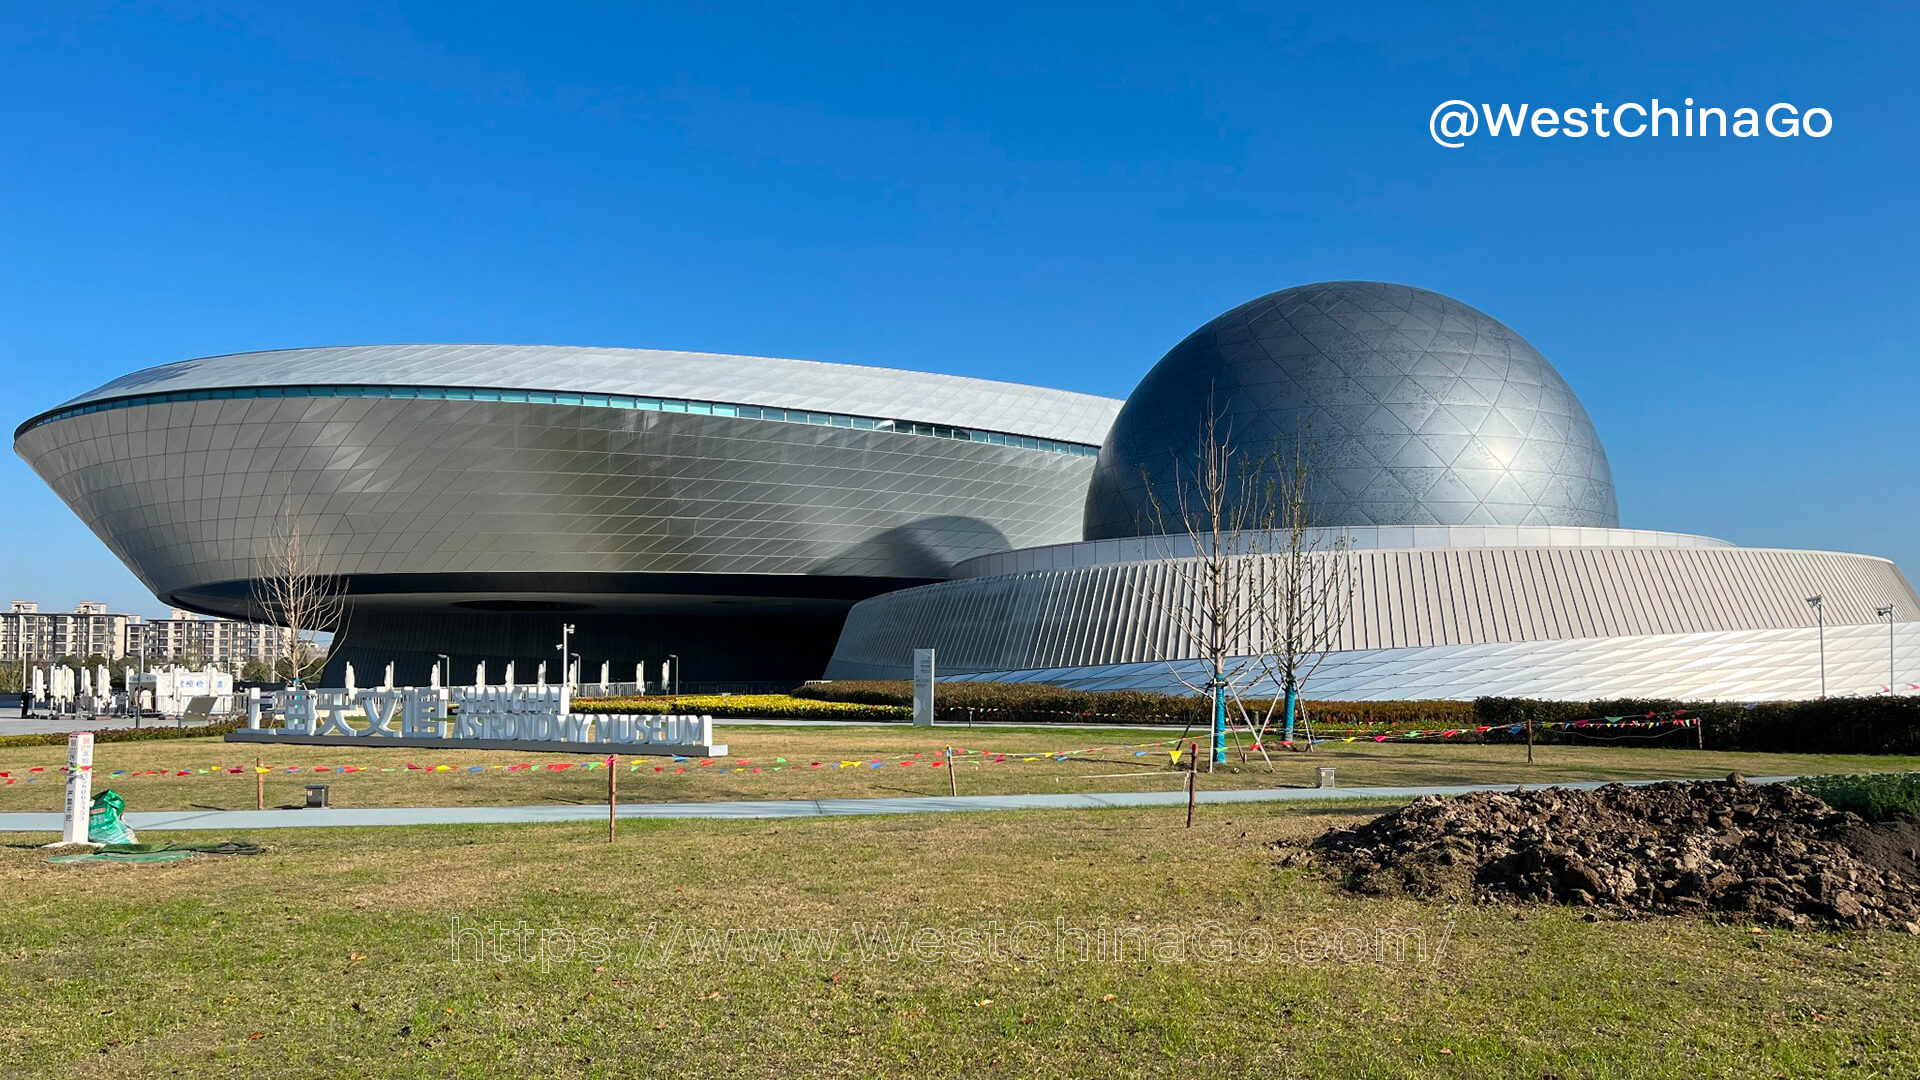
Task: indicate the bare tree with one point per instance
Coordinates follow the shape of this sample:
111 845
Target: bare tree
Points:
1218 506
292 594
1311 595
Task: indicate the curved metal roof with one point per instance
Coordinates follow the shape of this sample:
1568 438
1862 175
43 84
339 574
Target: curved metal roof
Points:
746 380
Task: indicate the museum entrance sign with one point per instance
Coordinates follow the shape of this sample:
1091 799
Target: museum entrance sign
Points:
470 718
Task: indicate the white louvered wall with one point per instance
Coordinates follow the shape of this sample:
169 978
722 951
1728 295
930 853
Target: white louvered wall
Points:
1411 598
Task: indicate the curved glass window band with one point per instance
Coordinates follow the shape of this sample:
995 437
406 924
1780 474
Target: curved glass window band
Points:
581 400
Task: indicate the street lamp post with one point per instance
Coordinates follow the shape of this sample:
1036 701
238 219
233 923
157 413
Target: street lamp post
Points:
675 660
23 664
1819 605
566 640
40 644
445 665
1887 614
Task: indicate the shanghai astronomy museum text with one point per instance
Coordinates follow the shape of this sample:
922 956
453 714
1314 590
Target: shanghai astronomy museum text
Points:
775 520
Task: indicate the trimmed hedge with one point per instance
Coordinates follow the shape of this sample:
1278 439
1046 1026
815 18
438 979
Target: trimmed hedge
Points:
1028 697
113 735
1884 725
1040 703
743 706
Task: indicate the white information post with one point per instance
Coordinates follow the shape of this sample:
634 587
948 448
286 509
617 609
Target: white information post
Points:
79 787
923 687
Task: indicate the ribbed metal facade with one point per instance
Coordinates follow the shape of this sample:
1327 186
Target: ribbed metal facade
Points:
1093 553
1124 613
1744 665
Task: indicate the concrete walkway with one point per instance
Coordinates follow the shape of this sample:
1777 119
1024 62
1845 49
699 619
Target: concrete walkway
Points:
49 724
243 820
944 725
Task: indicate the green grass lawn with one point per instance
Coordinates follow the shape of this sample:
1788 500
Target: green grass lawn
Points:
331 955
761 748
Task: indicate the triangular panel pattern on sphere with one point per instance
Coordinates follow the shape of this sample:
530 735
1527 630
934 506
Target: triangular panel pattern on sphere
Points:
1408 407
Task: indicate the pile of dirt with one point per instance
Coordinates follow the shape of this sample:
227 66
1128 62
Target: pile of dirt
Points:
1767 851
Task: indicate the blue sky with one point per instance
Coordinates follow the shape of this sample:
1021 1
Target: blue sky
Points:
1046 193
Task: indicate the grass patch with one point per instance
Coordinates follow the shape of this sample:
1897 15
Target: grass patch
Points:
773 762
1875 797
332 955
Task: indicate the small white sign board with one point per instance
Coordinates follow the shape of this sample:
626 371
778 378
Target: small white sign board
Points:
79 787
923 687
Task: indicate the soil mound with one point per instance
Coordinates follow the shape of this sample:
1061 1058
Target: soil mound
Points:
1769 851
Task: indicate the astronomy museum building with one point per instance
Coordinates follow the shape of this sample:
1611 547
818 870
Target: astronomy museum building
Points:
766 520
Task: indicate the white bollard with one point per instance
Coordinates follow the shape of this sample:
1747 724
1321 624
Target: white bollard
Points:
79 786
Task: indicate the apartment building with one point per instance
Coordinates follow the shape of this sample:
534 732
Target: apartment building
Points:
90 629
183 636
26 632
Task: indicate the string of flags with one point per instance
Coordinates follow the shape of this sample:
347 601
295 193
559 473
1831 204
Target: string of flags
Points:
935 759
676 764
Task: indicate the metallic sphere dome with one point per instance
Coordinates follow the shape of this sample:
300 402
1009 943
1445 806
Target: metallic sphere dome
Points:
1408 407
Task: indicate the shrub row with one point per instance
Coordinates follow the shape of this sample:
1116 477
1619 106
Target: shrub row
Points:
743 706
1885 725
1015 696
111 735
1039 703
